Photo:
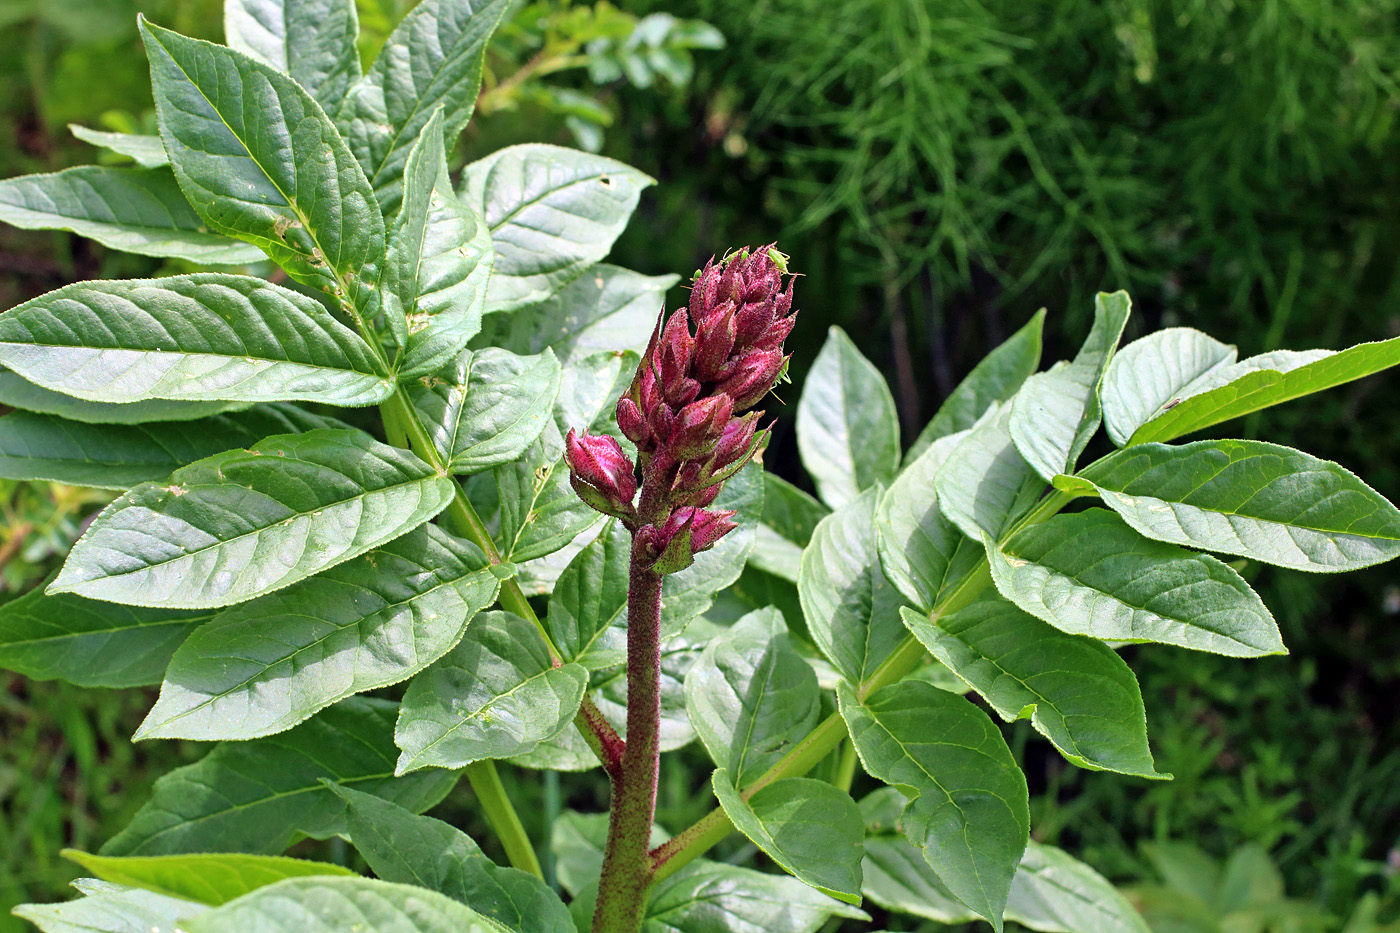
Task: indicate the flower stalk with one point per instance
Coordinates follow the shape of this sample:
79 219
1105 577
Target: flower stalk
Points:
704 368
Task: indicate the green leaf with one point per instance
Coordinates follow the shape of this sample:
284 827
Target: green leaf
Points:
201 337
247 522
432 59
1050 892
588 392
1055 413
402 847
206 878
1152 373
335 905
995 379
894 873
112 909
146 151
495 695
588 607
439 261
42 447
1266 380
1057 893
605 308
709 897
313 41
132 210
1262 501
259 160
552 212
852 611
90 643
376 620
984 486
810 828
969 808
260 796
916 541
789 518
1088 573
487 406
1076 691
18 392
847 428
751 697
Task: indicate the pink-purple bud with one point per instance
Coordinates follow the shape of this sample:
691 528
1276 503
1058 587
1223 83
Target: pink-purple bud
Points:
753 378
686 532
698 426
601 473
633 424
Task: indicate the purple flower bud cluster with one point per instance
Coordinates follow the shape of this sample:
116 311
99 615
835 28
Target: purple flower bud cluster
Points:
687 409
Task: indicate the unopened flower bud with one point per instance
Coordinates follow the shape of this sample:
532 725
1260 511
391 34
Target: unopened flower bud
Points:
630 420
698 426
754 377
601 473
714 341
686 532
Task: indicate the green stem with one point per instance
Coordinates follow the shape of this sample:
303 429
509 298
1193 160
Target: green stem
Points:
846 770
714 826
500 813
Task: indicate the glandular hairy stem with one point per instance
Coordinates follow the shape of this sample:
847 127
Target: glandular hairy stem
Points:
622 889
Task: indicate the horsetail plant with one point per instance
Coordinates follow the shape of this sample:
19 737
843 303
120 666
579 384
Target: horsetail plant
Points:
414 487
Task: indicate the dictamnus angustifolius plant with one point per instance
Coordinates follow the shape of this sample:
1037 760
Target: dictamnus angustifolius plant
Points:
428 492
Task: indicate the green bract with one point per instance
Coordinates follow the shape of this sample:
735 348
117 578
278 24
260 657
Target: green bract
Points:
350 476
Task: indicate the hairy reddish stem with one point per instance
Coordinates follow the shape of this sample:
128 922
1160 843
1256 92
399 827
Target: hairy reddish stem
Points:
622 889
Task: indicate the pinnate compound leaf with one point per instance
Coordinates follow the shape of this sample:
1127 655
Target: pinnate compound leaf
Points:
18 392
486 407
91 643
403 847
335 905
847 428
439 262
995 379
246 522
1263 381
1156 371
262 795
552 213
495 695
431 60
918 544
751 697
605 308
852 611
211 878
1056 893
111 909
146 151
1055 413
1076 691
375 620
132 210
969 807
312 41
42 447
1262 501
259 160
201 337
810 828
710 897
1089 573
984 485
